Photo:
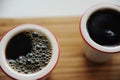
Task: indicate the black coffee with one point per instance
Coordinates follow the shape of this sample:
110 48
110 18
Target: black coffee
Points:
19 45
104 27
28 52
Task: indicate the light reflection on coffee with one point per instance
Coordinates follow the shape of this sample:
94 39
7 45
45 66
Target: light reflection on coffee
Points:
104 27
28 52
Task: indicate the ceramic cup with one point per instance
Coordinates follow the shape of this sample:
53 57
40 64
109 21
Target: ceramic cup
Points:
40 73
100 49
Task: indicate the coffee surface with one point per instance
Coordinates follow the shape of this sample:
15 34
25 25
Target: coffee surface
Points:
104 27
18 46
28 52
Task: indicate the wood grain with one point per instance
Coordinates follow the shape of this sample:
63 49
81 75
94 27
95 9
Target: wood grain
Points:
72 64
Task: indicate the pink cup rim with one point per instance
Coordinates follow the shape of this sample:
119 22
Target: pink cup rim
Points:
85 34
40 74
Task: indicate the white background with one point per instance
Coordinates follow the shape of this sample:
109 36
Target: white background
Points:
45 8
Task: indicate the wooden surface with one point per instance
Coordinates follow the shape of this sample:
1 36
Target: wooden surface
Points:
72 64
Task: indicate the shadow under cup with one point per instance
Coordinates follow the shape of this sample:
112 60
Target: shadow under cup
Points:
28 52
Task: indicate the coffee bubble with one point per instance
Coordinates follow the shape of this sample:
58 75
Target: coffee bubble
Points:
36 58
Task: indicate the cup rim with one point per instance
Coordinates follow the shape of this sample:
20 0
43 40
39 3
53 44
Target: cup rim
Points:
85 35
37 75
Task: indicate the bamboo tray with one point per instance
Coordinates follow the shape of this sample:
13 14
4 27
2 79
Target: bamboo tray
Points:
72 64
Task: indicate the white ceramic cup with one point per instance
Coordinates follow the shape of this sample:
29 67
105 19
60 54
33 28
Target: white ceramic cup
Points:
33 76
94 51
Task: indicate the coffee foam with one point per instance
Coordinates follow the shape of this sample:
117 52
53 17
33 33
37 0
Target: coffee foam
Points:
37 58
